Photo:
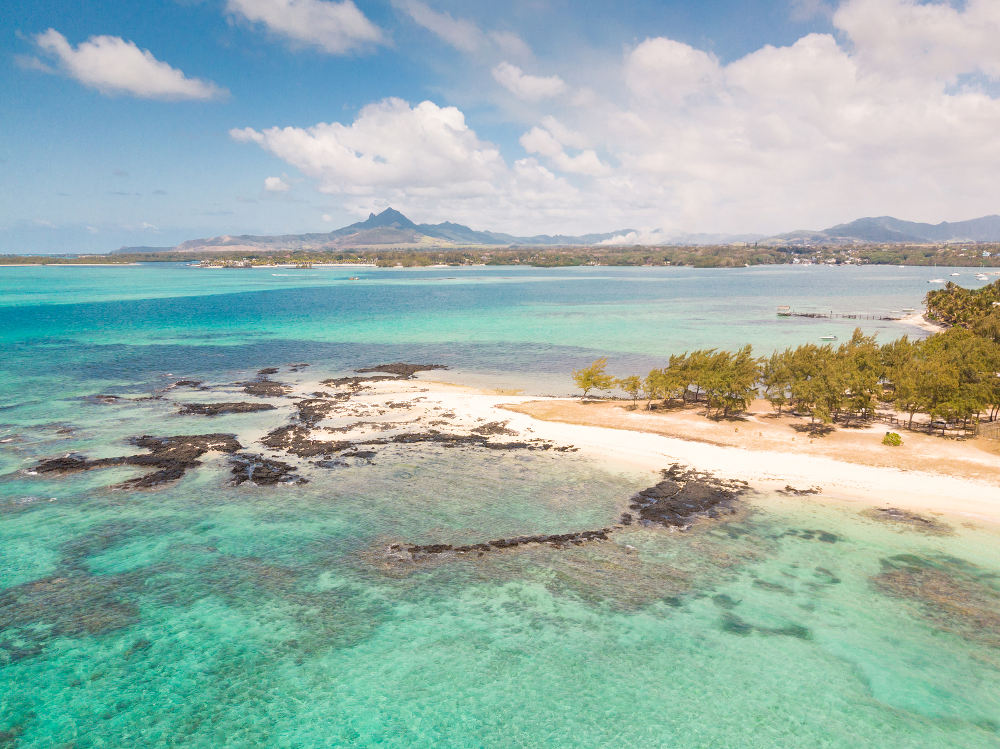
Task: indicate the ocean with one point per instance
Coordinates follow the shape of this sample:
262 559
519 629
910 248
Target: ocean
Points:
204 614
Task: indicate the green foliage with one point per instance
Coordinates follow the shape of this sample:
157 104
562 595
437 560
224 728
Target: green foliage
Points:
893 439
632 386
594 376
952 376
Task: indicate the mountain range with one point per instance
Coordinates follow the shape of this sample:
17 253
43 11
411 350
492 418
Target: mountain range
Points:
391 228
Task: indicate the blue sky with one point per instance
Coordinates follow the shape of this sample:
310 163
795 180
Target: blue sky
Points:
150 123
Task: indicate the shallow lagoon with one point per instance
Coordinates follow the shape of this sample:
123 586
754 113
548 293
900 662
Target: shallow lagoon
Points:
201 614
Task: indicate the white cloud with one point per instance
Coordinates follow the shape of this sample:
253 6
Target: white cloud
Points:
667 71
115 66
389 144
459 33
936 40
527 87
545 143
276 184
335 27
823 130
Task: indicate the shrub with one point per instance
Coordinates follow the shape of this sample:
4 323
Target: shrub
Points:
891 438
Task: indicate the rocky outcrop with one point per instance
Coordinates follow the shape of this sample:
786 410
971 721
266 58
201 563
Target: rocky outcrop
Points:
685 496
168 458
261 471
214 409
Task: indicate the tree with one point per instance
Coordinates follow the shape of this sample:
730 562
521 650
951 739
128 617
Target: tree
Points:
776 378
594 376
632 385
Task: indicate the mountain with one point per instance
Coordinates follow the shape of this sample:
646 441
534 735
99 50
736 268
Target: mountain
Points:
388 228
888 229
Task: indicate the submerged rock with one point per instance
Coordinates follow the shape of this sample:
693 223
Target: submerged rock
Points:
951 594
905 518
262 471
169 457
402 370
264 388
214 409
414 552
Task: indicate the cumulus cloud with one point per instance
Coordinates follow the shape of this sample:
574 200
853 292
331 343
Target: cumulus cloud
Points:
823 130
527 87
667 71
276 184
545 142
113 65
390 144
335 27
906 37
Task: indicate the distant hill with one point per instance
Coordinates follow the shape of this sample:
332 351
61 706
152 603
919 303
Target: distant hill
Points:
889 229
388 228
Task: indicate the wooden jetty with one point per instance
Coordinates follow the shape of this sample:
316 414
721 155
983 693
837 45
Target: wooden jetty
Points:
786 311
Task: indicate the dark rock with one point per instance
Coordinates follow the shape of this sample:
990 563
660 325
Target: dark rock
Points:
494 428
558 541
295 440
214 409
311 411
267 371
684 496
65 464
792 491
402 370
187 384
261 471
169 457
908 519
265 388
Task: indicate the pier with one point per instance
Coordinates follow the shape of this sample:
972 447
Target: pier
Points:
786 311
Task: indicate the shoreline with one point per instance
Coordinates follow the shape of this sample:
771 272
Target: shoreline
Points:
841 481
919 320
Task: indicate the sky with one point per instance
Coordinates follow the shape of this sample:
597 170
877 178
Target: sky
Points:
148 123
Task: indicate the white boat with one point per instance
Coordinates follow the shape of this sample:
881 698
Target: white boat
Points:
828 338
936 280
956 274
909 310
982 277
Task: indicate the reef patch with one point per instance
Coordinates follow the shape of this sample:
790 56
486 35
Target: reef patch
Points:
214 409
168 457
684 496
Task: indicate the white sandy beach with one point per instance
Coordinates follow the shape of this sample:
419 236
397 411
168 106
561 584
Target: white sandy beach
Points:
766 470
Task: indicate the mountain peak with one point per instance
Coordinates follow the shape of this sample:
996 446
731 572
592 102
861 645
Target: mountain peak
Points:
388 217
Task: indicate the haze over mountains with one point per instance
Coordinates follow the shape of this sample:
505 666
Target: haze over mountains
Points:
392 228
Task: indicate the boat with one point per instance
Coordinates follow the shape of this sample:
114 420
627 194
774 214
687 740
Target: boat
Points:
956 274
828 338
982 277
354 278
784 311
909 310
936 280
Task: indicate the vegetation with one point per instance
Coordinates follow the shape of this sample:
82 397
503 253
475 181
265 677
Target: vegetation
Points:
594 376
952 377
892 439
975 309
701 256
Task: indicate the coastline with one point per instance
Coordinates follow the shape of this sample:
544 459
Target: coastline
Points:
967 489
919 320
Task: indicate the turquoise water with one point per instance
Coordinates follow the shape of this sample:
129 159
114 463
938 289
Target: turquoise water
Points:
201 614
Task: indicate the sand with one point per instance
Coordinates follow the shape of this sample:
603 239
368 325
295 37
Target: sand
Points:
926 474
